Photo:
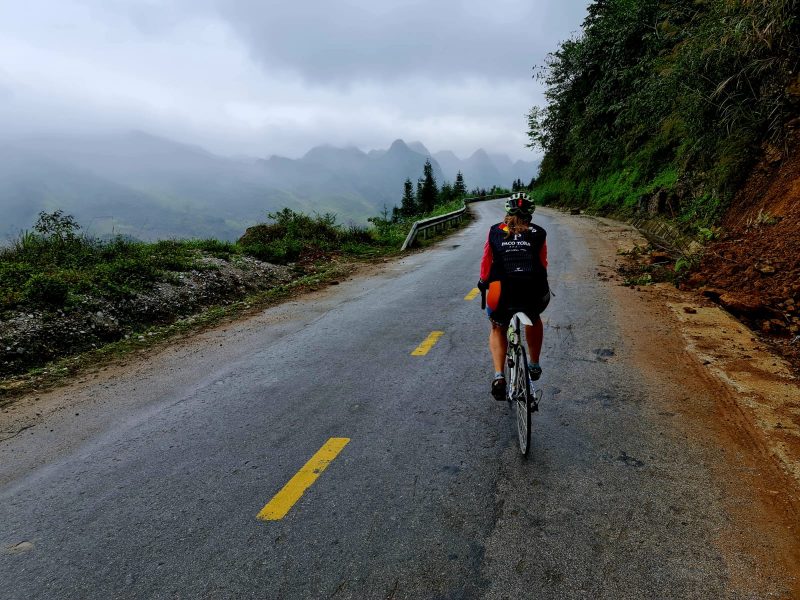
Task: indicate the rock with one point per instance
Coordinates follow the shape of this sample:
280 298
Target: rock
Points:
736 306
766 269
690 310
695 280
777 325
660 258
20 547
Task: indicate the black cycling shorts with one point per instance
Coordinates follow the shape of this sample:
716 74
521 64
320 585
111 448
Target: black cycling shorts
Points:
504 301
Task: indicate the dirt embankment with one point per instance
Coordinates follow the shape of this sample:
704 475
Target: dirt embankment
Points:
753 270
34 336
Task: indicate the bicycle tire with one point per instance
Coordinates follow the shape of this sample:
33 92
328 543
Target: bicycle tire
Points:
523 403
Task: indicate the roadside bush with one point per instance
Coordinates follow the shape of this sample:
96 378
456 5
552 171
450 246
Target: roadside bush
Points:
46 288
217 248
50 263
279 251
292 235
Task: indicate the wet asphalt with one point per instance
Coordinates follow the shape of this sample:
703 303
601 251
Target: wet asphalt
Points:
430 499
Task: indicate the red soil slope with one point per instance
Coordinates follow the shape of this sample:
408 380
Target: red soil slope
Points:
754 269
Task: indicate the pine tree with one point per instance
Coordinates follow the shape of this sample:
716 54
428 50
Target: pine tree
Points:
446 194
429 190
408 207
459 189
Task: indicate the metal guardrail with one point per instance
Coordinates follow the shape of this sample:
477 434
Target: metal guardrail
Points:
442 220
479 198
434 222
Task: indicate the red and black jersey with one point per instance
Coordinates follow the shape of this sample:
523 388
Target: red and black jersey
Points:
518 257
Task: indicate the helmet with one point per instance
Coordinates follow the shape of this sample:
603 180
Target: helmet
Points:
519 204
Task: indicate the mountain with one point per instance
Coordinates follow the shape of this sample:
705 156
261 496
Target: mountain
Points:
484 170
481 170
450 164
419 147
151 187
502 162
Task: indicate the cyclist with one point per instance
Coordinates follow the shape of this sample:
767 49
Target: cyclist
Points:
514 272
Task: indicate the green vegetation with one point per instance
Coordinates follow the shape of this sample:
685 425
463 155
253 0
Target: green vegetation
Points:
292 235
668 97
53 265
428 201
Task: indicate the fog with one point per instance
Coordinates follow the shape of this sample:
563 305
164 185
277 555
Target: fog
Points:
247 77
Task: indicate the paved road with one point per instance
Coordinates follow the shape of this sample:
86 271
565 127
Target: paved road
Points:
429 499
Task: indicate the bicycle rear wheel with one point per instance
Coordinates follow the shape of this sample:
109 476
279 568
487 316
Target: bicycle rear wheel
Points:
522 400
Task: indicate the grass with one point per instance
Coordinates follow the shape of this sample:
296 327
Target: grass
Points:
619 193
54 266
48 272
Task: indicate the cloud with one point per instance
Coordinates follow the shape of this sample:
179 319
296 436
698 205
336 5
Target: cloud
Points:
339 42
241 76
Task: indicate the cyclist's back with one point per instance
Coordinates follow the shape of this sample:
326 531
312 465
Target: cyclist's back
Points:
514 272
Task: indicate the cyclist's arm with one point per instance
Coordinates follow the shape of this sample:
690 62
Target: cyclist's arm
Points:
486 261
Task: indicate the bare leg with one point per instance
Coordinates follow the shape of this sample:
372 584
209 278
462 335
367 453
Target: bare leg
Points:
534 334
497 345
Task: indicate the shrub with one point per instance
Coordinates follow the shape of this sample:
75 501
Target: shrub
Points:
46 288
279 251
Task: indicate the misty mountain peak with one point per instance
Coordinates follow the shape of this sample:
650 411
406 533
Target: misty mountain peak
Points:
327 152
479 154
446 155
399 146
419 147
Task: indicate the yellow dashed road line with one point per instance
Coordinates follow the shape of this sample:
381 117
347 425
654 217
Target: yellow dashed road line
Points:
277 508
472 294
429 343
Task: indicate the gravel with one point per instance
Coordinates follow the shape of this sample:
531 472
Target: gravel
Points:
32 337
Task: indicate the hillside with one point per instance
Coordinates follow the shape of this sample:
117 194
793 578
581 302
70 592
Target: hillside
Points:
687 112
754 268
667 97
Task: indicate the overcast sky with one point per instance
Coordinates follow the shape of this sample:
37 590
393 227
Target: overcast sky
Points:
265 77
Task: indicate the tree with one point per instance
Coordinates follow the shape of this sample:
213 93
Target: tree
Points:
430 191
57 225
446 194
459 189
408 207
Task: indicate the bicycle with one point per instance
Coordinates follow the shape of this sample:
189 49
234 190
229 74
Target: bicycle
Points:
520 392
521 395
